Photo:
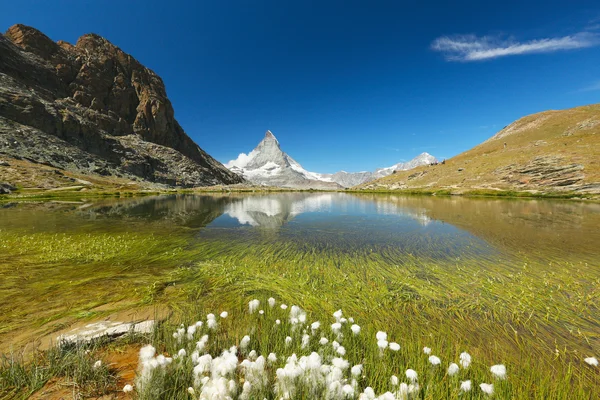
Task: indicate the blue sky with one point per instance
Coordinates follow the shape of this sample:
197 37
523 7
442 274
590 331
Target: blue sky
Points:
352 85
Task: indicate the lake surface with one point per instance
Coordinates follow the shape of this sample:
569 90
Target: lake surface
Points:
58 259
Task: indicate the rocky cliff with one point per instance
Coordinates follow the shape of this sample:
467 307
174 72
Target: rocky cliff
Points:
92 108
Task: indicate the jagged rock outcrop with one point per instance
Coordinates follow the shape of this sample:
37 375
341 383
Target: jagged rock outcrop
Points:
92 108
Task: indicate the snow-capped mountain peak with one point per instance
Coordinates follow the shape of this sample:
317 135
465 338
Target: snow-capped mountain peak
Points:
268 165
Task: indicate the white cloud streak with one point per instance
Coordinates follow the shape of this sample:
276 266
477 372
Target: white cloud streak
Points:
592 88
473 48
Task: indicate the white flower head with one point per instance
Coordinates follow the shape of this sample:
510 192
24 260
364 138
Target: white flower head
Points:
181 353
434 360
97 364
453 369
382 344
487 388
244 342
411 375
224 314
288 341
305 341
272 357
465 386
283 307
394 380
394 346
253 305
593 361
271 302
381 336
356 370
427 350
355 329
499 371
315 325
465 359
323 341
341 351
191 390
277 321
147 352
336 327
127 388
337 315
261 312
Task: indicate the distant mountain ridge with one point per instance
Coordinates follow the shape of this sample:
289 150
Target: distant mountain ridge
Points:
268 165
548 152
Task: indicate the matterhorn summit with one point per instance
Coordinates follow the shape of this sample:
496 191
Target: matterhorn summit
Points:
268 165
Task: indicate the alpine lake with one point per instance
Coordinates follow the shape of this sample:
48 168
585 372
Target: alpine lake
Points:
512 281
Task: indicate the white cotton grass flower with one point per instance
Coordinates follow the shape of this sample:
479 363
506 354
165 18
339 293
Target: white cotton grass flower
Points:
336 327
427 350
487 388
411 375
277 322
271 302
244 342
305 341
348 391
323 341
355 329
394 380
499 371
253 305
288 340
97 364
382 344
272 357
191 330
394 346
381 336
190 390
315 325
252 355
356 370
201 344
453 369
181 353
351 320
199 324
435 360
224 314
465 386
465 359
593 361
341 351
343 320
337 315
127 388
283 307
261 312
147 352
367 394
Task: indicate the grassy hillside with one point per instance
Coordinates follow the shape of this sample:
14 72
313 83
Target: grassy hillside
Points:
552 151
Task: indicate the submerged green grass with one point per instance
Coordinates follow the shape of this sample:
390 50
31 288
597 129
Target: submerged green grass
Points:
537 313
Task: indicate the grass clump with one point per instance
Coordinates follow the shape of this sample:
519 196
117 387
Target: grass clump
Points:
79 367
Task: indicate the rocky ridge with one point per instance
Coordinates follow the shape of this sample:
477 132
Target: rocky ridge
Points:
94 109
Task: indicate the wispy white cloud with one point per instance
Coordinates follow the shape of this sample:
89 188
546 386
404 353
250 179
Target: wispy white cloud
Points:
474 48
591 88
